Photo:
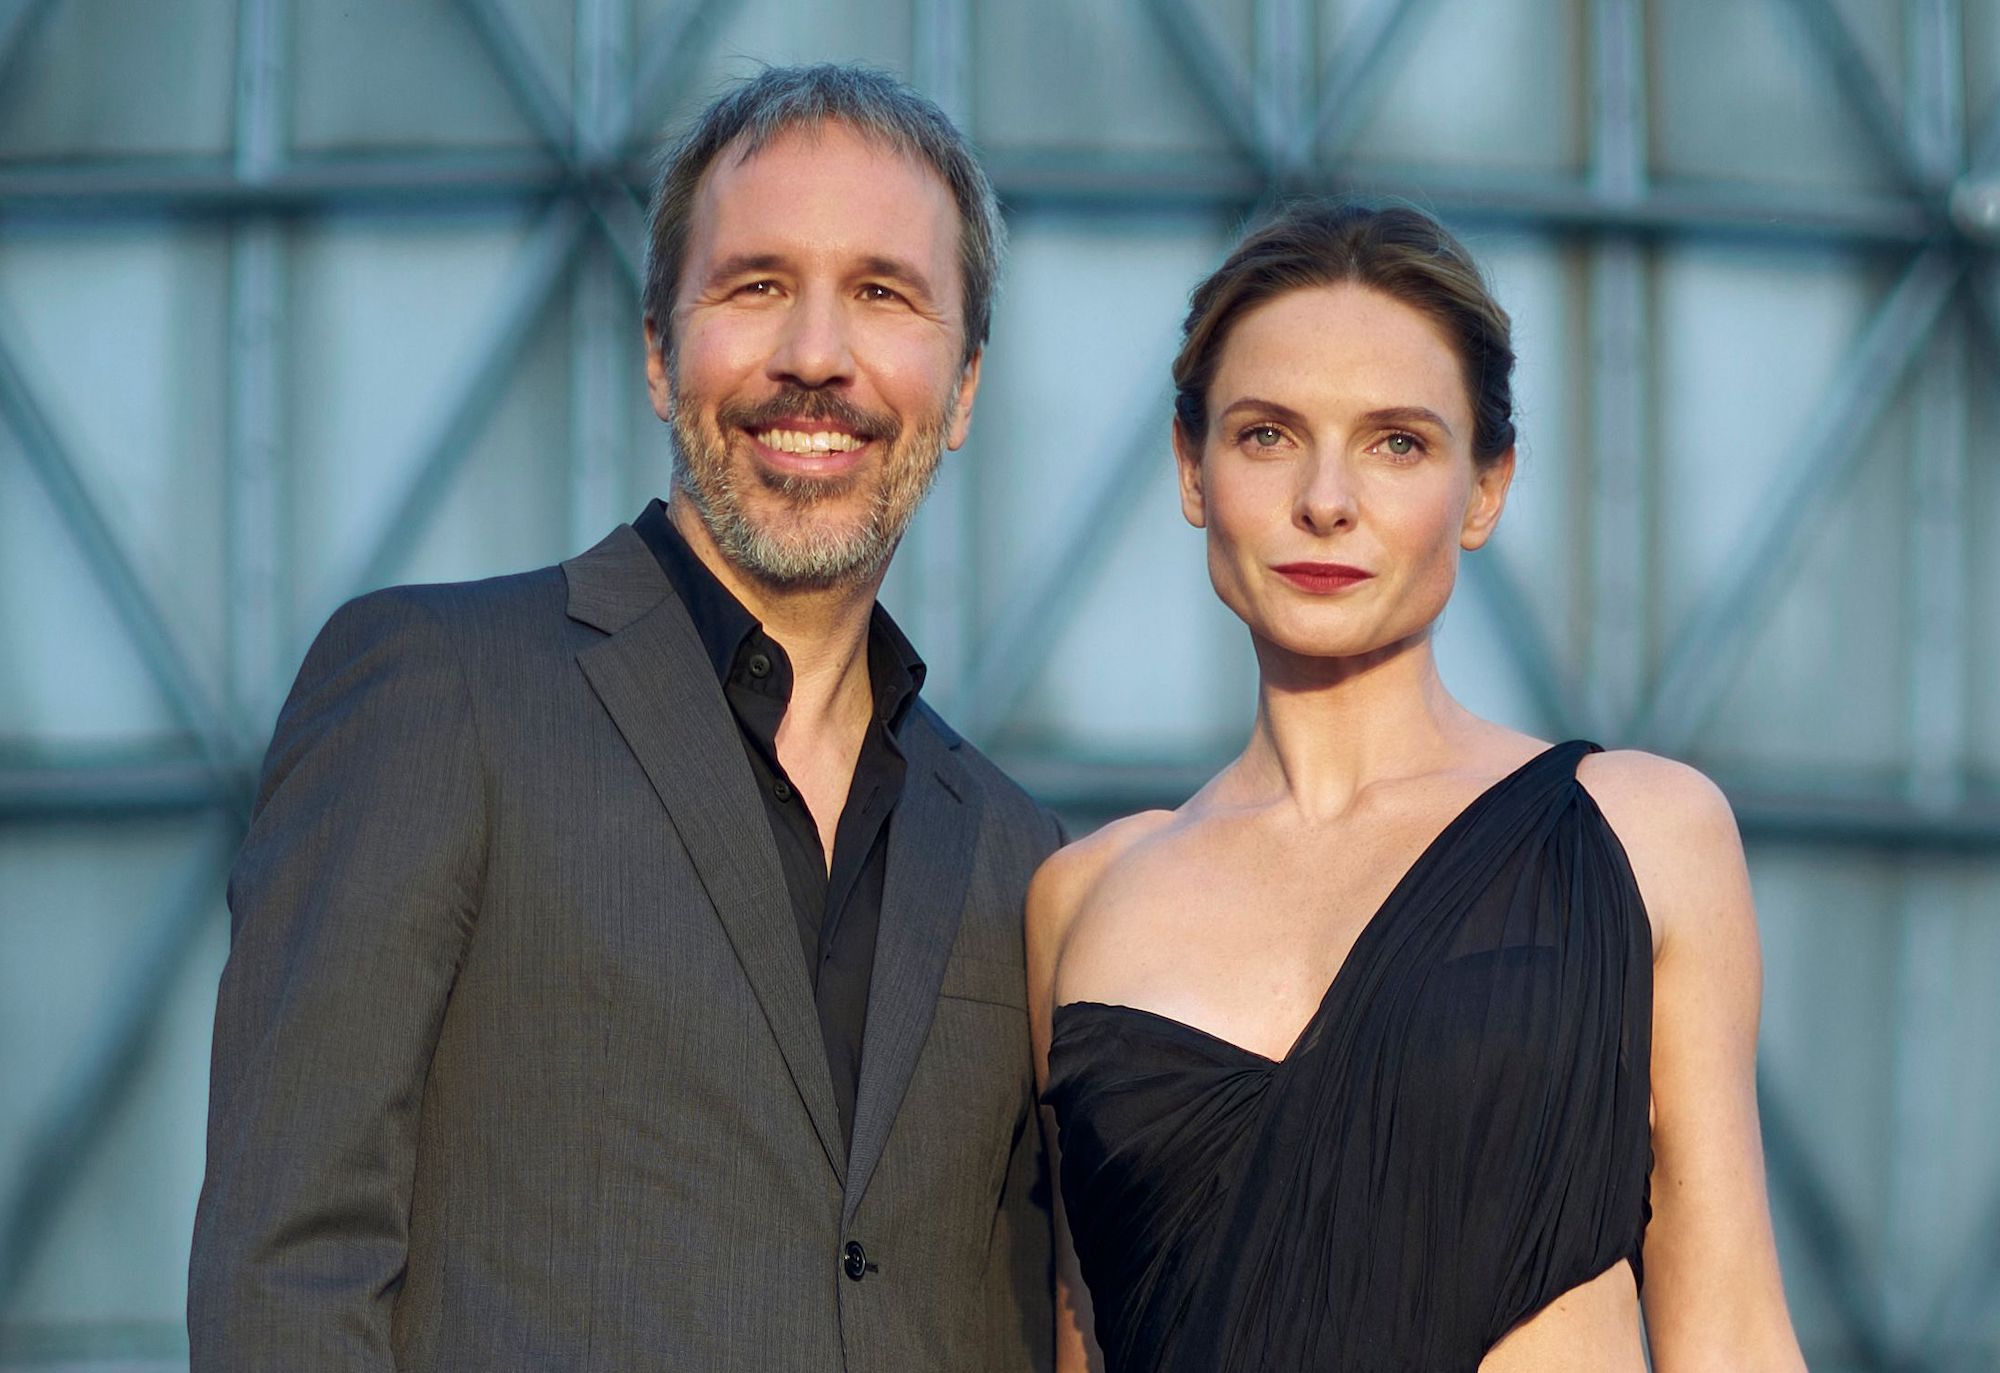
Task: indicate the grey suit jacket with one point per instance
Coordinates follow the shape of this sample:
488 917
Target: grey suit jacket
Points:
516 1062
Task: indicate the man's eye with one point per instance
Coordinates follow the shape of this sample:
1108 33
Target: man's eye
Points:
757 288
877 291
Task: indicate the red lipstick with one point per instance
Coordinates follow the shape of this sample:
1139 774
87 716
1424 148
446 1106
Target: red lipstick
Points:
1321 579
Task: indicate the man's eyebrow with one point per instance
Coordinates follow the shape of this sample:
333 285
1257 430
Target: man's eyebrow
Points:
899 270
745 264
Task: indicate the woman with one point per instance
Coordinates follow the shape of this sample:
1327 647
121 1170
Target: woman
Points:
1365 1057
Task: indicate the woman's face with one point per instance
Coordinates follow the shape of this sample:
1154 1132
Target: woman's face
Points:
1336 479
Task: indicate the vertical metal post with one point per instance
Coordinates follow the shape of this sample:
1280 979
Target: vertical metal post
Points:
605 347
933 584
258 574
1287 107
1923 1175
1621 531
603 74
604 331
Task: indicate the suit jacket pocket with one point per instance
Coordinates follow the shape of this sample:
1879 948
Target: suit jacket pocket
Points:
985 979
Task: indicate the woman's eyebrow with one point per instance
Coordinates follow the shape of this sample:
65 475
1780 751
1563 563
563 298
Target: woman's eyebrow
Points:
1272 408
1409 414
1391 414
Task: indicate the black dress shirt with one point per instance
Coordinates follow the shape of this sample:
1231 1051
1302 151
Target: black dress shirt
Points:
838 910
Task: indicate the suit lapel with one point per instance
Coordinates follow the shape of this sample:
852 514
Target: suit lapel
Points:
931 840
657 684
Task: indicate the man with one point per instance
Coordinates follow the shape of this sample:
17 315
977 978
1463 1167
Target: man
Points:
627 970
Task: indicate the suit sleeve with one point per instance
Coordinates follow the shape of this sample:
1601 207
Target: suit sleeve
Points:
351 905
1020 1258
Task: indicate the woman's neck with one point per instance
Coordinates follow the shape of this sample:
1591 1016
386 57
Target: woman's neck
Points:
1328 727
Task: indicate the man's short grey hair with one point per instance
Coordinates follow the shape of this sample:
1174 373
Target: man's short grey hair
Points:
779 99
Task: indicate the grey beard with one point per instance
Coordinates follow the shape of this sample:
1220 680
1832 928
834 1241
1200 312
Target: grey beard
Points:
816 559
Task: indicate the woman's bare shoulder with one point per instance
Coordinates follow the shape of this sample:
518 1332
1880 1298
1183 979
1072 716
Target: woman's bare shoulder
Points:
1070 874
1652 801
1063 886
1677 830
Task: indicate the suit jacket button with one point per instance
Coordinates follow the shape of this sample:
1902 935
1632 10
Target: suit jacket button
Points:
854 1261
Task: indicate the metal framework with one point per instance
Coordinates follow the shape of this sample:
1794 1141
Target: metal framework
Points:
1290 128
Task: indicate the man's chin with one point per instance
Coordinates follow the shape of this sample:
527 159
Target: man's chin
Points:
805 554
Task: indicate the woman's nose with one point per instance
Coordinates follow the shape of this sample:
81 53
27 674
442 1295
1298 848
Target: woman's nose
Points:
1326 495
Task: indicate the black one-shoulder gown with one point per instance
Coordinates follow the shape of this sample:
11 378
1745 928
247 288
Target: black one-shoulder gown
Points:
1459 1136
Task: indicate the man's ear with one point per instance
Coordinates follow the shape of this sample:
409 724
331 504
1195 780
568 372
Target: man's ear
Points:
1490 483
961 402
659 377
1187 462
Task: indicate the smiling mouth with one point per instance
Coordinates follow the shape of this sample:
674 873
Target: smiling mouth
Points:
803 441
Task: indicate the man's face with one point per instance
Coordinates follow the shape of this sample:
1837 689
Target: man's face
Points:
817 339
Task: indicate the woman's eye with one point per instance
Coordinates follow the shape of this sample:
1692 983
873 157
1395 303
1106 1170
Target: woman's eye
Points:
1264 435
1402 445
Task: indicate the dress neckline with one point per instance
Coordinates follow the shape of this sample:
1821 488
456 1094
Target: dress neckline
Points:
1440 843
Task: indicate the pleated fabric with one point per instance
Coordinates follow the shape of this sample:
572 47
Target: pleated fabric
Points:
1459 1136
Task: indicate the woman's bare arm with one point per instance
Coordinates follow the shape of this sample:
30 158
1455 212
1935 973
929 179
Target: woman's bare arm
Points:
1713 1297
1055 898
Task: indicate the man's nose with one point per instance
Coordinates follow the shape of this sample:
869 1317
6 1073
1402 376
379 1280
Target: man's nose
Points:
813 349
1326 498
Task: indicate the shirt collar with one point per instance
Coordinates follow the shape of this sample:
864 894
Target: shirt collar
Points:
723 623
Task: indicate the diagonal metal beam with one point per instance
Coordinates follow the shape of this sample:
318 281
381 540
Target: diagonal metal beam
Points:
470 399
166 658
666 61
1697 667
1856 76
1830 1247
1934 88
1964 1309
1357 65
515 61
622 220
1529 647
103 1073
18 19
1218 76
1281 64
1012 651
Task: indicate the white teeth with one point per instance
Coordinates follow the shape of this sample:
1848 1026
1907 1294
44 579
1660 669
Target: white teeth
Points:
821 441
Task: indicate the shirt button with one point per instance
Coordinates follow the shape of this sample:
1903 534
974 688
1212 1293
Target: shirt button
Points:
759 665
854 1261
782 789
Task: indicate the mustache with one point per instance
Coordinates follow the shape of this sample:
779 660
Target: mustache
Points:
796 402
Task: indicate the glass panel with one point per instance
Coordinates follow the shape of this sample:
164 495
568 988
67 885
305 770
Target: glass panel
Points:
376 75
1747 341
750 33
1077 376
388 319
1492 85
100 80
1740 93
77 899
1058 75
